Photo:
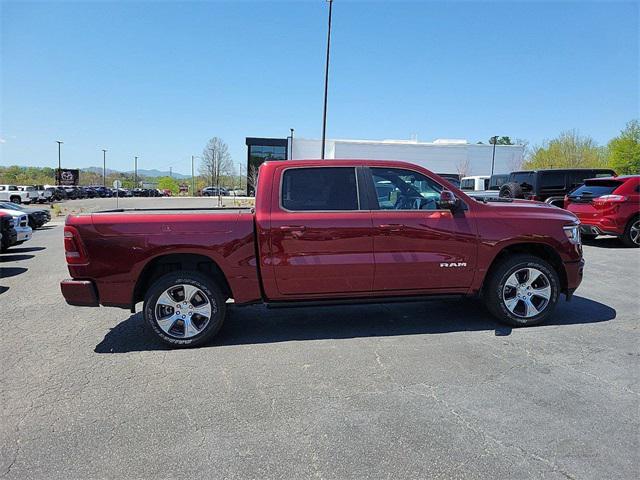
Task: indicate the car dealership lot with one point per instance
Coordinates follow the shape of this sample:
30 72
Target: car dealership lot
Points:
430 389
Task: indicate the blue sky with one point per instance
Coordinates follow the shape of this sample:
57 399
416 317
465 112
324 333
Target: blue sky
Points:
157 79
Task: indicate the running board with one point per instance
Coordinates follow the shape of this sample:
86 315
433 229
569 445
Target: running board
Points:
360 301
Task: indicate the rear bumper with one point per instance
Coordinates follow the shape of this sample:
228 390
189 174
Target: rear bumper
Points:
574 271
81 293
598 229
601 225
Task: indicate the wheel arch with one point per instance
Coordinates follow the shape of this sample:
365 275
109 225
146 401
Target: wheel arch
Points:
540 250
163 264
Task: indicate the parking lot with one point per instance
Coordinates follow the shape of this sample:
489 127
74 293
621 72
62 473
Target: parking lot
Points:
420 390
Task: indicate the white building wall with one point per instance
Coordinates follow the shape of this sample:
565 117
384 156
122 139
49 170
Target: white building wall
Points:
438 157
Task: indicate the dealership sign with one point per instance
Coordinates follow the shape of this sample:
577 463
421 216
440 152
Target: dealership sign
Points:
67 176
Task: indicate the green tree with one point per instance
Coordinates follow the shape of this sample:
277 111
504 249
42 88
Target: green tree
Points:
624 150
568 150
500 140
168 183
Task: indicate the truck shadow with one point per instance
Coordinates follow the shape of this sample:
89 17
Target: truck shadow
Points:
257 324
15 258
6 272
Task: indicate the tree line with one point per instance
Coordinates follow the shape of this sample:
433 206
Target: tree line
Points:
567 150
572 150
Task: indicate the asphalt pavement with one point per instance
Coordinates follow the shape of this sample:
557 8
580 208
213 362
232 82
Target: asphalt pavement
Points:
421 390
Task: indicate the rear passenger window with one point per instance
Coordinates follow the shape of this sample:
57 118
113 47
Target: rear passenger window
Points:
467 184
552 181
321 188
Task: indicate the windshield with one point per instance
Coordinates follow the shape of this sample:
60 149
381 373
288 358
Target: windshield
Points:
9 206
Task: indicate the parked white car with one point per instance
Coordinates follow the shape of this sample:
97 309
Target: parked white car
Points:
475 183
13 194
37 193
21 224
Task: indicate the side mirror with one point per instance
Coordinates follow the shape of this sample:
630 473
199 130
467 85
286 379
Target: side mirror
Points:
448 200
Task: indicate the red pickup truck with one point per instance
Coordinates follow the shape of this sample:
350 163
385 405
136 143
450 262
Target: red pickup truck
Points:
324 231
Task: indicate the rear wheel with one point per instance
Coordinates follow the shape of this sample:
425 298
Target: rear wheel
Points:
15 199
184 309
522 290
631 237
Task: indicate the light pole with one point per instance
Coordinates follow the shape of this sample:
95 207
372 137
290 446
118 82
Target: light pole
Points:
104 167
59 162
494 140
193 178
135 172
326 81
291 157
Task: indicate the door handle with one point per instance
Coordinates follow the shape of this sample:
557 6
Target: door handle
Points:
292 228
392 227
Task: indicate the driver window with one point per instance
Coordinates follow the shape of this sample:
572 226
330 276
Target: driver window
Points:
398 189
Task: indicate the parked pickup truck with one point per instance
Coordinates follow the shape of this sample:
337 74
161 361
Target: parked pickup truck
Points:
325 231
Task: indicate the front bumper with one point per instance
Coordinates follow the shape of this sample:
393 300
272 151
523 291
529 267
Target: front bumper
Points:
23 233
574 271
81 293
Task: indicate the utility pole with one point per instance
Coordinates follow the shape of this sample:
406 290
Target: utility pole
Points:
135 172
326 81
104 167
170 173
59 163
494 140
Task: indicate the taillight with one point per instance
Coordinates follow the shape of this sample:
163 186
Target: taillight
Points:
605 200
74 250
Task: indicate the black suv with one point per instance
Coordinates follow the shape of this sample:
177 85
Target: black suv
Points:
549 186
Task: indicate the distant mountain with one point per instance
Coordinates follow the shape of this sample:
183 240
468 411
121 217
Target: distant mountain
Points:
141 172
158 173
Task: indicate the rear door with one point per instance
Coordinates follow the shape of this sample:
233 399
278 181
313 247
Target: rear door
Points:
418 247
320 239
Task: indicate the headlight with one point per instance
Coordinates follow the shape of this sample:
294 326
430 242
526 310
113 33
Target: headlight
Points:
573 233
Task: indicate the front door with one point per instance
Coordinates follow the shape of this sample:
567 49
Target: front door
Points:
321 241
418 247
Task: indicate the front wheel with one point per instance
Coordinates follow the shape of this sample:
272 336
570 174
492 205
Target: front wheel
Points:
184 309
522 290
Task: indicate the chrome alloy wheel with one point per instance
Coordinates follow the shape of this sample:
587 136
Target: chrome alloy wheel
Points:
183 311
526 292
634 233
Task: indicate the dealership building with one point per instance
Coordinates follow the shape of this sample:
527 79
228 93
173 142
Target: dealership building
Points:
440 156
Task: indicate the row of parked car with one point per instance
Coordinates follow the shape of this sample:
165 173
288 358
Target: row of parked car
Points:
31 194
605 203
17 223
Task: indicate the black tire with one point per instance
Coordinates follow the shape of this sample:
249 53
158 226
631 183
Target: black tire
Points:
15 199
214 296
629 231
511 190
495 286
588 237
